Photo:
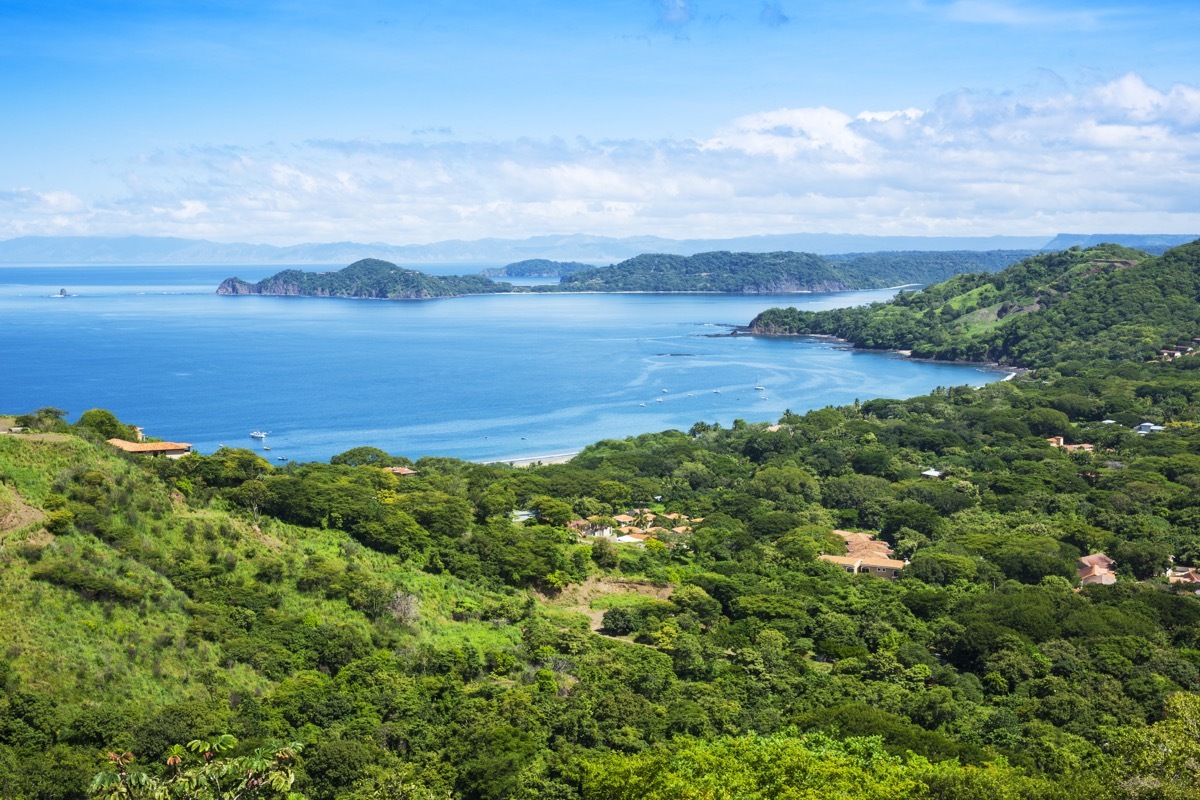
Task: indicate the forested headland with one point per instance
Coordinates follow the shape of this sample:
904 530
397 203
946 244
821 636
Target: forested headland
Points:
375 627
1107 303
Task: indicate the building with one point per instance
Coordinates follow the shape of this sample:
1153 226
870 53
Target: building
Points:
1187 575
168 449
1096 569
878 566
1148 427
400 470
866 555
1057 441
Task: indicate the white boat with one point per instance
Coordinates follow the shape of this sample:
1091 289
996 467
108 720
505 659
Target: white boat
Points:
659 400
760 388
258 434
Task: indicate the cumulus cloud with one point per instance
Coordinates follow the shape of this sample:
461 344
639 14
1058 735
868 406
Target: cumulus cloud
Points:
1119 155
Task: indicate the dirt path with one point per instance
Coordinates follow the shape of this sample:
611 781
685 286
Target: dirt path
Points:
15 513
579 597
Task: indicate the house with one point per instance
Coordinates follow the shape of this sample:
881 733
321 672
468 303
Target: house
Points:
1183 575
400 470
866 555
932 474
586 527
168 449
870 565
1148 427
624 519
1057 441
1096 569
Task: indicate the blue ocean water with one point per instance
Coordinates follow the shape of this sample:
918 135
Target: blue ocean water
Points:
499 377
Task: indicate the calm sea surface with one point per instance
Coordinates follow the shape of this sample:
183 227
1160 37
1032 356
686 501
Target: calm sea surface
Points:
482 378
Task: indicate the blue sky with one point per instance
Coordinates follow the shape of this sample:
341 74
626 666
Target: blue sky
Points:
403 122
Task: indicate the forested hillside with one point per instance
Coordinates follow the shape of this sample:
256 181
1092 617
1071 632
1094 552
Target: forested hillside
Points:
750 273
1103 303
391 633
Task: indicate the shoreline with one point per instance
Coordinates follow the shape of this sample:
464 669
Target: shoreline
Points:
528 461
1012 370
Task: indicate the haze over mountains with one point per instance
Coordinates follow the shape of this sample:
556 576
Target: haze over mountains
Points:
573 247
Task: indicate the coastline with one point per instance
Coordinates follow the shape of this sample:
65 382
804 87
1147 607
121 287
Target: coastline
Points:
1012 370
529 461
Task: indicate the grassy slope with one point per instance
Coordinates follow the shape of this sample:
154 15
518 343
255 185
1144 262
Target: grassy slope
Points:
96 651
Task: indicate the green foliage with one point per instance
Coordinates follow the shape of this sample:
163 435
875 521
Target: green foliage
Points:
774 272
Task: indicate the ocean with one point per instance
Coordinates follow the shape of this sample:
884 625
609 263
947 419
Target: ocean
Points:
488 378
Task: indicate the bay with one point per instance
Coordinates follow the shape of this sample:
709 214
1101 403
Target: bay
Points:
498 377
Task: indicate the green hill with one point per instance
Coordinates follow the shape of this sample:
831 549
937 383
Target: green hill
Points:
766 273
419 642
1106 302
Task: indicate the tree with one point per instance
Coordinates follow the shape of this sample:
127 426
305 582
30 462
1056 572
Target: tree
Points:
44 419
359 456
106 424
199 772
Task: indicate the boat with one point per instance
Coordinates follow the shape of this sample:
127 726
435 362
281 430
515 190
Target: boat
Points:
258 434
266 447
760 388
666 390
659 400
643 405
716 391
281 458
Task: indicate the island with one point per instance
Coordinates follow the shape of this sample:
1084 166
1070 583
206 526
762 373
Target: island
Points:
715 272
368 278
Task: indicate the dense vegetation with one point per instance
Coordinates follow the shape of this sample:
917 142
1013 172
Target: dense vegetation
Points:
1106 302
369 278
368 634
750 273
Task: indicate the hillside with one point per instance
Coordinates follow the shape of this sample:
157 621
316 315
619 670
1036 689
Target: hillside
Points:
416 640
782 272
1105 302
369 278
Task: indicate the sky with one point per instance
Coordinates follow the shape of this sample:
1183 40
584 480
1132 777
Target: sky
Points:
290 121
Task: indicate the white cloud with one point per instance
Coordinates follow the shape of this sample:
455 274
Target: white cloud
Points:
1114 156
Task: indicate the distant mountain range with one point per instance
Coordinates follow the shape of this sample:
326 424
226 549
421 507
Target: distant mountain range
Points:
493 252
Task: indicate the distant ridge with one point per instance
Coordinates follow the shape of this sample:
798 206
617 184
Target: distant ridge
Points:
1153 243
84 250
